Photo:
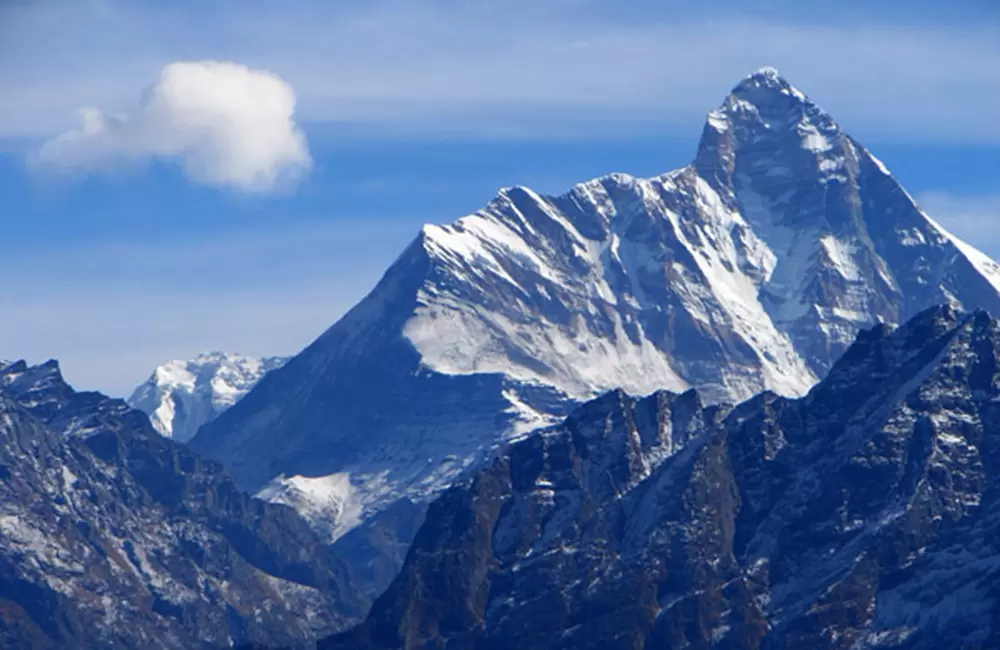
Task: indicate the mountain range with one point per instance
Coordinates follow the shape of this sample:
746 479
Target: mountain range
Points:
748 403
750 269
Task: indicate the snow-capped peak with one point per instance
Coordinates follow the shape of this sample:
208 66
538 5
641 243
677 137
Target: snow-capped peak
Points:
767 77
754 268
765 105
180 396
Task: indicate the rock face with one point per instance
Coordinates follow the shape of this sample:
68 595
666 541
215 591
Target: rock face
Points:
864 515
752 268
112 536
180 396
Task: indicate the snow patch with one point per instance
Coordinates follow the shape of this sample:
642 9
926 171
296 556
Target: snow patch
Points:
327 502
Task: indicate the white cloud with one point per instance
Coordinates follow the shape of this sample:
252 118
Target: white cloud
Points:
226 124
975 219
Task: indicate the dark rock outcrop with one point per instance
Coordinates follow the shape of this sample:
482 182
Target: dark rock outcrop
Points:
112 536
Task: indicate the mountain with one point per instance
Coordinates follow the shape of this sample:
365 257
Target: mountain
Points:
112 536
752 268
180 396
863 515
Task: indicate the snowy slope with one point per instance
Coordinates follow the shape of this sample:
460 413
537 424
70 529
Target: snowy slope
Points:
752 268
327 502
180 396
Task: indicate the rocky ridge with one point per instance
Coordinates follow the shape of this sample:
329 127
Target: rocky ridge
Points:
863 515
112 536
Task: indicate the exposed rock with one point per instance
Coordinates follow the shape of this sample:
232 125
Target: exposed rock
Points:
864 515
112 536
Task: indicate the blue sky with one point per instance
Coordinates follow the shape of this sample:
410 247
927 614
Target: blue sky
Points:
410 112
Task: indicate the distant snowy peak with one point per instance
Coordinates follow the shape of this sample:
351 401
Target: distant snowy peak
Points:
766 114
180 396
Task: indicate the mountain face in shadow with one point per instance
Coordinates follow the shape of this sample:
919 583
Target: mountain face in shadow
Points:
112 536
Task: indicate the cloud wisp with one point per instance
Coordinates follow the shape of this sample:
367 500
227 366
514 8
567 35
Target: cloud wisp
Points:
226 124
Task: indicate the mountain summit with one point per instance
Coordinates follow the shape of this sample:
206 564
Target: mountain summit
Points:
753 268
844 245
180 396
